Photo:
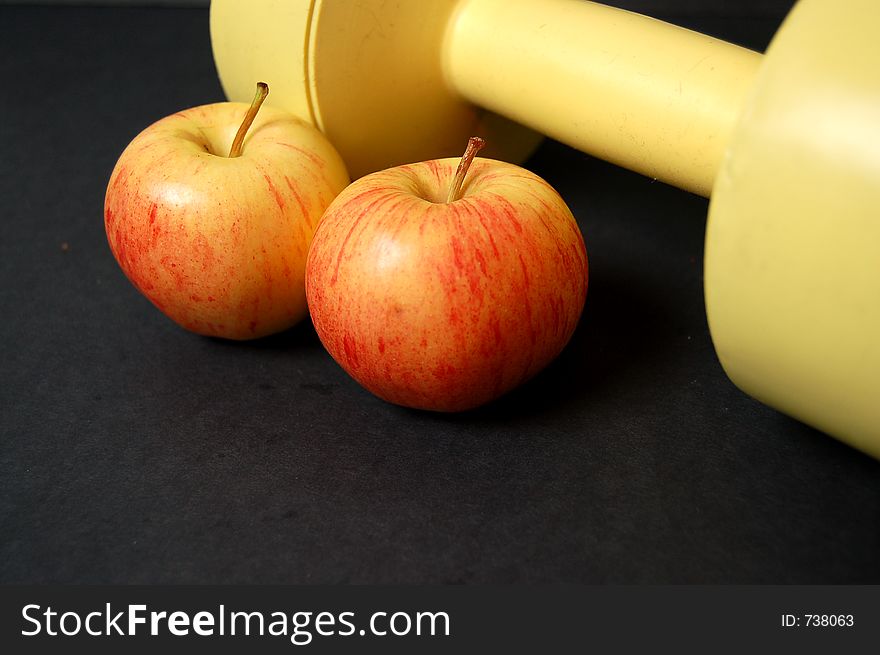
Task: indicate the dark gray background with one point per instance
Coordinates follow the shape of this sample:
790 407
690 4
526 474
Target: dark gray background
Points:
134 452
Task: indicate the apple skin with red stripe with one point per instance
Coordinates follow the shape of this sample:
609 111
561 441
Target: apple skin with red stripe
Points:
219 244
446 306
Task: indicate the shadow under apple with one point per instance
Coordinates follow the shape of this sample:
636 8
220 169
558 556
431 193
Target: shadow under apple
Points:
611 344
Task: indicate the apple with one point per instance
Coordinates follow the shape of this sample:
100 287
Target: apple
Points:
210 213
438 293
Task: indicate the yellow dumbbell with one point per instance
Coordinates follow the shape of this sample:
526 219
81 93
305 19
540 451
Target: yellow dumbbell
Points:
786 143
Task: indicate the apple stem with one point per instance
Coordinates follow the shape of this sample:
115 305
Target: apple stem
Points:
238 142
475 144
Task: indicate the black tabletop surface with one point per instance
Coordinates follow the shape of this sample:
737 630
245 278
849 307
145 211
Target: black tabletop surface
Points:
134 452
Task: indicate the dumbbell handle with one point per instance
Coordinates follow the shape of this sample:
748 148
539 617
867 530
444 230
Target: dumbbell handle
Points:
652 97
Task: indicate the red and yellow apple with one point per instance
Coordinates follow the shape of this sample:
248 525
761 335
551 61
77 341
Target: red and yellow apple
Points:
440 294
219 243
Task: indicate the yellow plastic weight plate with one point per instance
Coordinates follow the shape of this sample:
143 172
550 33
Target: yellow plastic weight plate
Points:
792 267
366 73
